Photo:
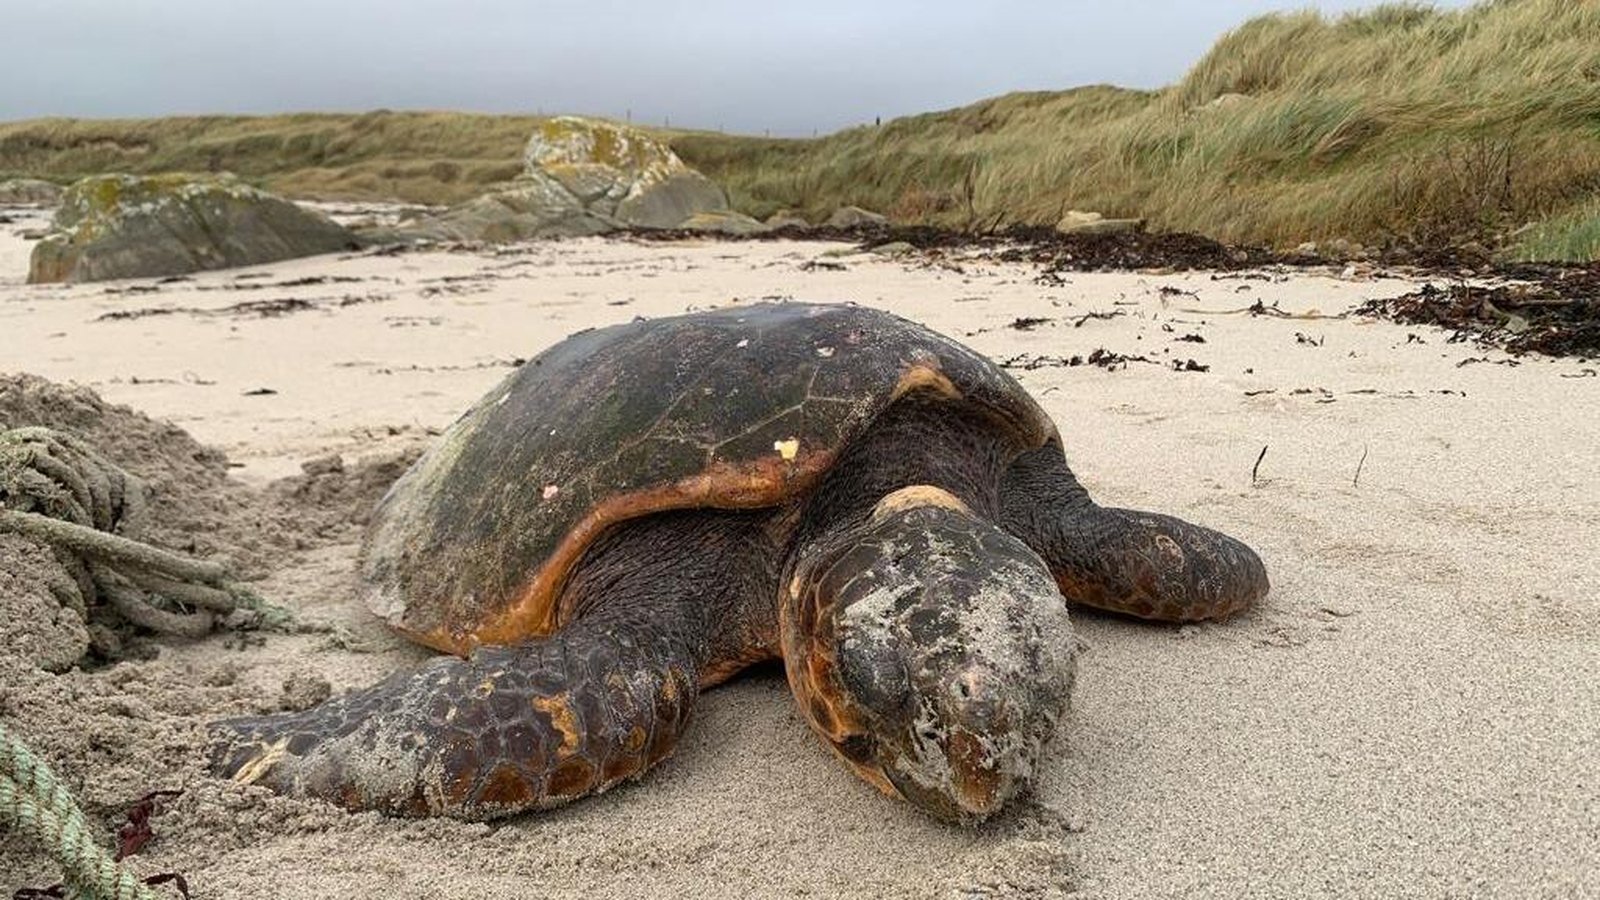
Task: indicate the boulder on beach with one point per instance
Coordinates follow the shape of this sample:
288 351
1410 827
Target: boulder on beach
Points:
787 218
580 177
525 209
29 192
127 226
1078 222
856 217
724 222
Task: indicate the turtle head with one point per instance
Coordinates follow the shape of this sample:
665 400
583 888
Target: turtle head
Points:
932 651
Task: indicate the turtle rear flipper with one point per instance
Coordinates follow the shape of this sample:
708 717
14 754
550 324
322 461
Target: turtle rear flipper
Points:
508 729
1139 563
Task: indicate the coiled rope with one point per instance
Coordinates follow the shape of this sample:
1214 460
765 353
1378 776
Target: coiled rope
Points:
33 802
58 491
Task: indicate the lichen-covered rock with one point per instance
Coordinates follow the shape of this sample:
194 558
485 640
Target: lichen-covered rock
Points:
673 201
601 163
126 226
29 192
620 173
581 177
724 222
856 217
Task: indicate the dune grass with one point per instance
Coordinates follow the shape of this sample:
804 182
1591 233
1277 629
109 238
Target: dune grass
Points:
1404 121
1400 122
418 157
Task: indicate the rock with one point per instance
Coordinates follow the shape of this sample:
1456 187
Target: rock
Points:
724 222
856 217
29 192
673 202
527 208
893 248
1309 248
619 172
582 177
1078 222
126 226
787 218
1342 248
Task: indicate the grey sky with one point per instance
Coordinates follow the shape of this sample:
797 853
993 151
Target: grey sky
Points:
742 65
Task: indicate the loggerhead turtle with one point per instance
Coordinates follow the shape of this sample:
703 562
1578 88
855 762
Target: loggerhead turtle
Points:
642 511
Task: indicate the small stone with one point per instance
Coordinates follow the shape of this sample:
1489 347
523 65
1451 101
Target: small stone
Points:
856 217
894 248
332 464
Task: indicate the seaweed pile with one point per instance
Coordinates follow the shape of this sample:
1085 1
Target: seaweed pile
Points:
1553 310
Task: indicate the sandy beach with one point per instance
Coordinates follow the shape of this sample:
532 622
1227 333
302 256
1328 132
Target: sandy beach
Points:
1414 711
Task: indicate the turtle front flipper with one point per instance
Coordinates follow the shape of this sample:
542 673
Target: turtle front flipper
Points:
1139 563
508 729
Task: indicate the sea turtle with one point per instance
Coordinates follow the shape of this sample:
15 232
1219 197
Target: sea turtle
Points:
642 511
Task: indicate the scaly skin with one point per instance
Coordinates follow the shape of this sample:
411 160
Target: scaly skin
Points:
546 721
1137 563
509 729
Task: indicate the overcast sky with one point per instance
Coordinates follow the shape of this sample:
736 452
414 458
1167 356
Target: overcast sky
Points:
741 65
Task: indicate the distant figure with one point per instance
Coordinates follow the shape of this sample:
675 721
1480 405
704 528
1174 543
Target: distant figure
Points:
877 121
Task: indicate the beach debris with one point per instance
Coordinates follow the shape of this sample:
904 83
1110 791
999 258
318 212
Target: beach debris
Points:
1356 481
57 491
136 831
1078 322
1552 310
822 265
1105 359
35 803
1028 323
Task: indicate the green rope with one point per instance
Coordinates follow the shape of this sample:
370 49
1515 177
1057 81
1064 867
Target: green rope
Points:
57 491
34 802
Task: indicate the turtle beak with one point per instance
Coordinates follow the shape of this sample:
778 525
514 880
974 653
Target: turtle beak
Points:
976 789
971 770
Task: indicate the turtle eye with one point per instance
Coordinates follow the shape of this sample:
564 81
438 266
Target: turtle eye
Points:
874 673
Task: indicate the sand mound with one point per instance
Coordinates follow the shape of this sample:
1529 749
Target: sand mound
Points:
134 715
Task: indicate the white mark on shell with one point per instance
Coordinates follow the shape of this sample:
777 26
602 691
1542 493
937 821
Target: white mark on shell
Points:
787 449
550 491
743 343
824 352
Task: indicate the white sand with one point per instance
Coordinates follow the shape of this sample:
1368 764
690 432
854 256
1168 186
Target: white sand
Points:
1413 712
